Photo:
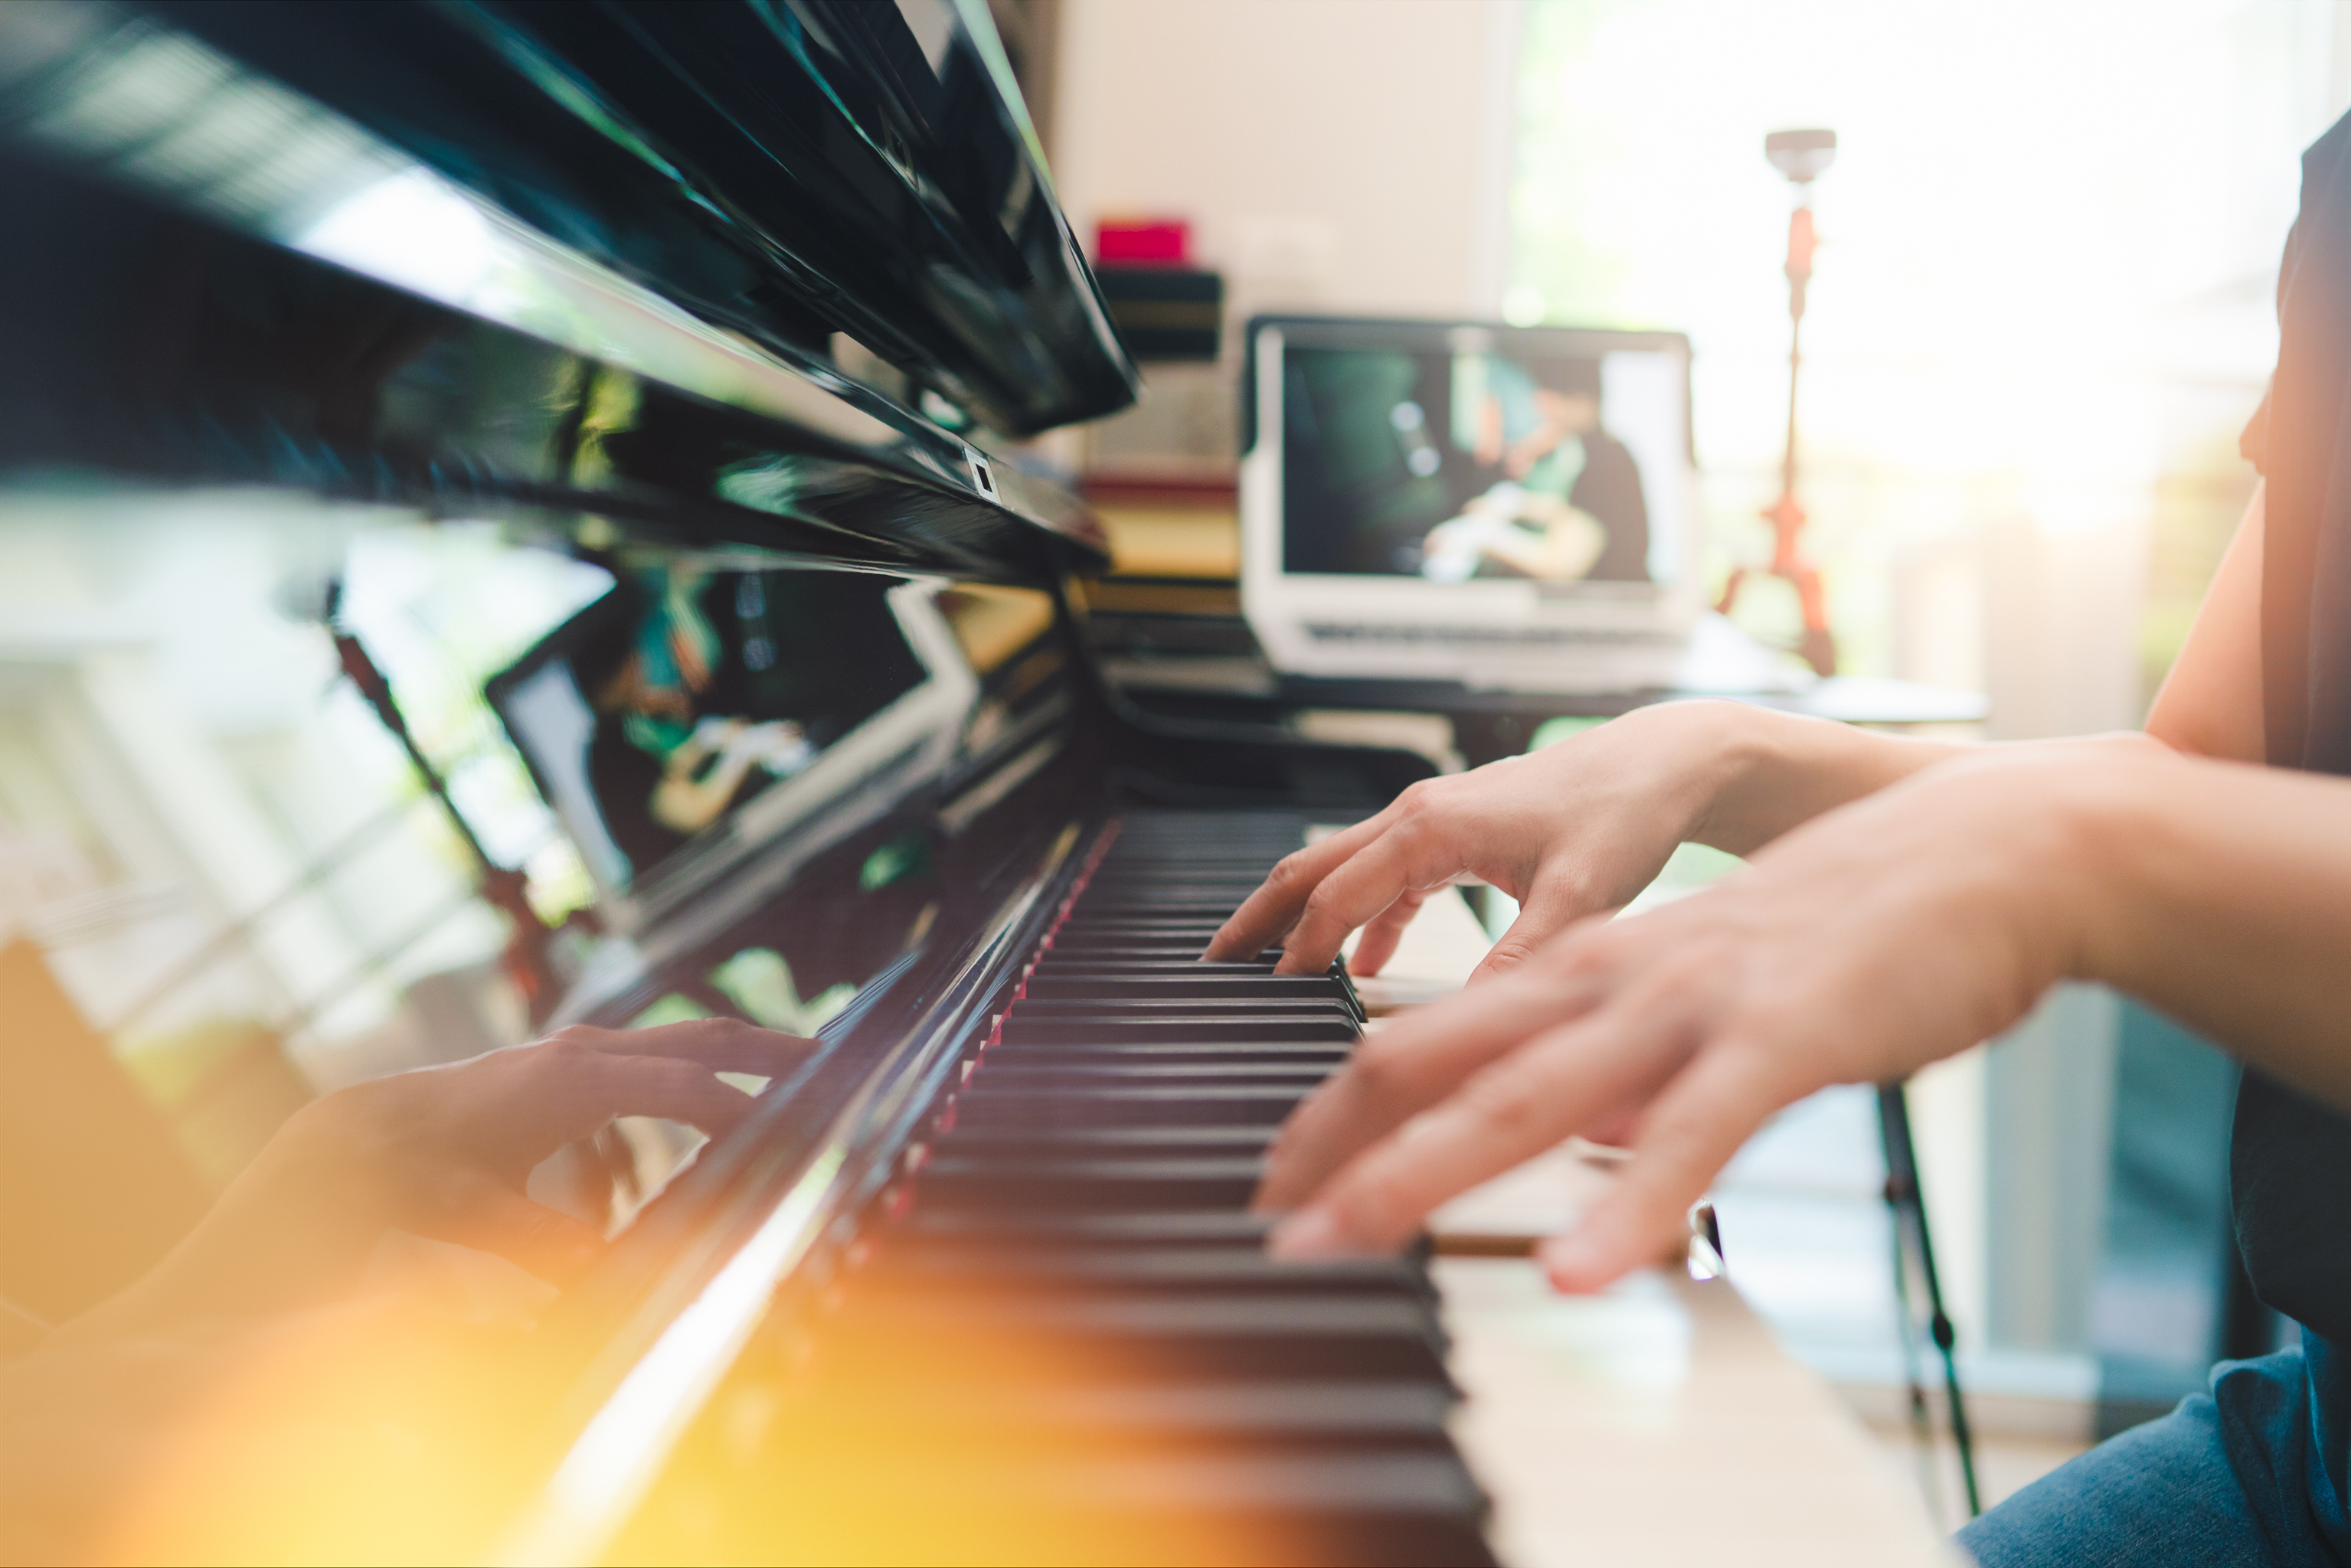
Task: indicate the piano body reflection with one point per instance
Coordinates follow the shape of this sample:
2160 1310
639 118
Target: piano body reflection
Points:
978 1281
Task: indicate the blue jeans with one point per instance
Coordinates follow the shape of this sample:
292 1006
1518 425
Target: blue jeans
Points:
2249 1476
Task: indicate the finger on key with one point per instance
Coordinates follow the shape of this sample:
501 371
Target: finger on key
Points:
1264 915
1690 1132
720 1044
1552 905
1514 1110
1417 1062
1378 942
592 1089
1407 858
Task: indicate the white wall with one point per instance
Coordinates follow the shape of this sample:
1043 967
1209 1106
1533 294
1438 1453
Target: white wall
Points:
1346 154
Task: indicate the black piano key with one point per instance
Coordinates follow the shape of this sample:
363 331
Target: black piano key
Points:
1206 864
1131 950
1111 988
1389 1485
1344 1410
1160 1338
996 1230
1220 1018
1174 1052
1046 1182
1269 1028
1150 959
1126 942
1110 1102
1372 1510
1182 964
1230 882
1163 933
1261 1417
1142 1142
1097 1335
1332 1506
1213 911
1166 917
1074 1269
1222 1011
1137 904
1120 945
1171 984
1054 1081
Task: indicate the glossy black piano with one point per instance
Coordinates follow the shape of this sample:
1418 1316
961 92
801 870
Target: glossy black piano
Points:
978 1281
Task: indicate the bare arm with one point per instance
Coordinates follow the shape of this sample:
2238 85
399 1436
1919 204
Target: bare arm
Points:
1569 831
686 805
2217 892
1906 927
2222 896
2210 706
1581 827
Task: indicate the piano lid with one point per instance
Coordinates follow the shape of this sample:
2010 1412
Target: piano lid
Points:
788 168
230 282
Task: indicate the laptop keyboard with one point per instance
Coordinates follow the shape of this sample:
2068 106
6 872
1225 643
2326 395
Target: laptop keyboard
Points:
1529 637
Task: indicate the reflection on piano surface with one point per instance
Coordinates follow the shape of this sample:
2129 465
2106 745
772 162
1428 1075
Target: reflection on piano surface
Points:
976 1281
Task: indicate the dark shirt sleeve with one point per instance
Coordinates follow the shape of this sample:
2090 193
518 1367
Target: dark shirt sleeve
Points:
2254 443
2301 441
2290 1156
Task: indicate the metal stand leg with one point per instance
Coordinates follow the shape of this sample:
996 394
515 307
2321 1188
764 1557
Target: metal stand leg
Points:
1913 1378
1913 1249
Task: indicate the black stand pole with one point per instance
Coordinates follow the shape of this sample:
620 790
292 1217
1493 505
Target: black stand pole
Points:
1914 1379
529 960
1913 1248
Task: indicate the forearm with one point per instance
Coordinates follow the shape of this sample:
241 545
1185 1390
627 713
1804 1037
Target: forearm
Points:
2220 895
2210 705
1771 772
288 1231
685 806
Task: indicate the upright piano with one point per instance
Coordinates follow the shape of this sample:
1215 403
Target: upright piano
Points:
745 301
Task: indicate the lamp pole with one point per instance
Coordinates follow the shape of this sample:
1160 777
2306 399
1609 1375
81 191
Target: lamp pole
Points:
1802 156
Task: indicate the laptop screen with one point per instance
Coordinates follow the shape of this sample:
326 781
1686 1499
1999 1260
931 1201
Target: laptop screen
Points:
1452 454
659 719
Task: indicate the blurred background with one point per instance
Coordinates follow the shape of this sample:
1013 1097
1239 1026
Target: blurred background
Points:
2042 311
2041 315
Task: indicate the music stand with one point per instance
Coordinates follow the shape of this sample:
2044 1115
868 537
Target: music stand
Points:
1914 1250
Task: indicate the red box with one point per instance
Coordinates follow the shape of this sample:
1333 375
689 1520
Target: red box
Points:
1143 242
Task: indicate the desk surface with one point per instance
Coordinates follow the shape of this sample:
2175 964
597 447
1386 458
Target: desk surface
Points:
1177 547
1656 1422
1850 699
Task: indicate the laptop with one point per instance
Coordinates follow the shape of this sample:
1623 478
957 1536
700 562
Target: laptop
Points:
1504 507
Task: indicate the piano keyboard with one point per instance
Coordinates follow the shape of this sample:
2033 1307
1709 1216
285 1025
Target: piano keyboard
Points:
1065 1343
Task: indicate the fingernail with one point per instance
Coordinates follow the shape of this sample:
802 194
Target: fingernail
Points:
1569 1261
1308 1236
